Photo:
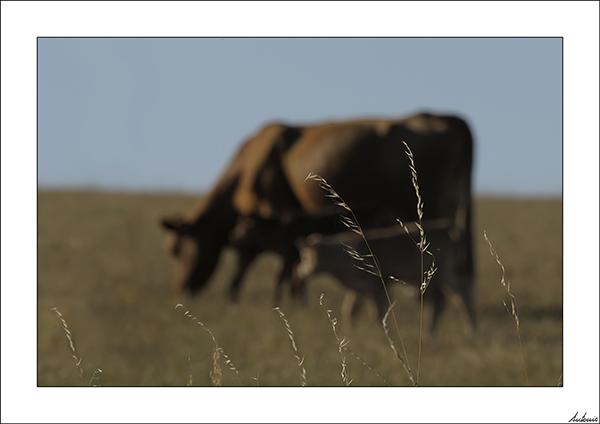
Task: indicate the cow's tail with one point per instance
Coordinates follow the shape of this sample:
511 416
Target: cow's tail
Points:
468 233
464 215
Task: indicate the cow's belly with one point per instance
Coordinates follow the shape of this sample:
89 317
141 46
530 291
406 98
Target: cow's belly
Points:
371 175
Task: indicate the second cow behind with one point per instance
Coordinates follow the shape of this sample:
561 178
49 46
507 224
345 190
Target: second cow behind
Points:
345 257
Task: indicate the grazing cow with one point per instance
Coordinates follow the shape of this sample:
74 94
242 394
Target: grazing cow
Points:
365 162
397 255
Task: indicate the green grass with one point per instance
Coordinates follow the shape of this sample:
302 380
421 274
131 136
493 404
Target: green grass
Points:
102 261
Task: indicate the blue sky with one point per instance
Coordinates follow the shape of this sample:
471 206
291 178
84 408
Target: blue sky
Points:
168 114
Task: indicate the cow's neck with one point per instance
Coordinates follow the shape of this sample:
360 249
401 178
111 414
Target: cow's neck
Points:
217 208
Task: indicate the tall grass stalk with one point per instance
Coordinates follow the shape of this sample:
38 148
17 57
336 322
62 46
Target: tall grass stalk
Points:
216 373
510 303
295 350
342 342
190 381
218 353
78 360
344 347
365 262
94 379
423 246
366 365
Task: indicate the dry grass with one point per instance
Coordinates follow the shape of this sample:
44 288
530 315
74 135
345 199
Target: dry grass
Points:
94 379
386 330
343 346
510 299
423 247
365 262
216 374
190 382
342 342
76 358
294 346
102 261
365 364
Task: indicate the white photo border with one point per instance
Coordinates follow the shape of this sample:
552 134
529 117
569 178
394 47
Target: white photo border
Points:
23 22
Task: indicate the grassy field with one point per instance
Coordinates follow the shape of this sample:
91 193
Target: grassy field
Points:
102 261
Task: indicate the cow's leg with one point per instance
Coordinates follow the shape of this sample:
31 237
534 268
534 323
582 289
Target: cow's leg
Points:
357 307
466 295
439 304
297 285
352 305
381 303
348 307
290 259
245 258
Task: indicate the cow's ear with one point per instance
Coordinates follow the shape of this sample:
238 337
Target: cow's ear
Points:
174 223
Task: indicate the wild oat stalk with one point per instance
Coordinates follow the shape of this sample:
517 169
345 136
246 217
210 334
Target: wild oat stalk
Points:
74 354
511 300
366 364
215 373
95 378
365 262
423 246
78 360
386 330
341 341
190 381
295 351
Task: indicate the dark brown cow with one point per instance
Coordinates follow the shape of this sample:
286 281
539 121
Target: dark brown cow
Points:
364 161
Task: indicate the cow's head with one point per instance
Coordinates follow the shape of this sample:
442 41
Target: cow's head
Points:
196 246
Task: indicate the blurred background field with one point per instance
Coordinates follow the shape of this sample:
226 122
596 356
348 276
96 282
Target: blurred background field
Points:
102 261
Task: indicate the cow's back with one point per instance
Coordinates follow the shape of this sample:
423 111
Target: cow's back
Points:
364 160
366 163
